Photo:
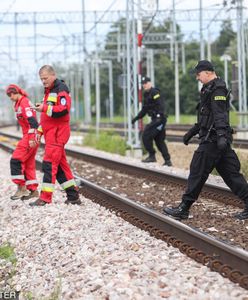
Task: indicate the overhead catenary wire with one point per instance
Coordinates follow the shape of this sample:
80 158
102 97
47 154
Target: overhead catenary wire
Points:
7 10
88 31
152 19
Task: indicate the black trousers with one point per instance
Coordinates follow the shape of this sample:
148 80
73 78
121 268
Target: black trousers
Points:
155 131
205 159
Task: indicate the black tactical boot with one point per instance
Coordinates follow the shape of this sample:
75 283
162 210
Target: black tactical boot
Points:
72 195
243 215
149 159
168 163
180 212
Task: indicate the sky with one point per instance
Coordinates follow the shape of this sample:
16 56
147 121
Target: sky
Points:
101 5
189 26
63 5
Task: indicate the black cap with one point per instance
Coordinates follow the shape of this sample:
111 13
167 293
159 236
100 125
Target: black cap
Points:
203 65
145 80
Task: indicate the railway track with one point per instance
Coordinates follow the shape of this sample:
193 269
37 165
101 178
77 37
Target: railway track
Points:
174 133
229 261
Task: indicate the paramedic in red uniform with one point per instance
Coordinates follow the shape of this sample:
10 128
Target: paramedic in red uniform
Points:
22 162
55 126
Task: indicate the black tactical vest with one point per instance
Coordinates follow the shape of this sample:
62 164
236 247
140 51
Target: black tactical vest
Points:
205 113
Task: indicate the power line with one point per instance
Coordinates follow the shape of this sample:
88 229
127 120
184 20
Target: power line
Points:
7 10
153 17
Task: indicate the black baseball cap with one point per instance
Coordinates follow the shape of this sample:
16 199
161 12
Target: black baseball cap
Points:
203 65
145 80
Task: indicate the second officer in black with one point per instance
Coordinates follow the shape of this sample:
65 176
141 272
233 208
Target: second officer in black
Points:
215 150
155 130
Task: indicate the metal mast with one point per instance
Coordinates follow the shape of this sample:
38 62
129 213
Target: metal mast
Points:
131 55
87 108
241 66
177 97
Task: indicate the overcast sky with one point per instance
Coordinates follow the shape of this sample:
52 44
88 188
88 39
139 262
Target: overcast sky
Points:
102 5
60 5
190 29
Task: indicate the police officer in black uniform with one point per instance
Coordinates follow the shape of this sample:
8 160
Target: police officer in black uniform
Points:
155 130
214 150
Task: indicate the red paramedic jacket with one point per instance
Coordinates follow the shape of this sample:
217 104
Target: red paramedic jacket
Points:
55 116
26 117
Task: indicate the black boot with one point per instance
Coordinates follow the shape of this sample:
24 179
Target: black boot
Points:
167 163
72 195
243 215
180 212
150 158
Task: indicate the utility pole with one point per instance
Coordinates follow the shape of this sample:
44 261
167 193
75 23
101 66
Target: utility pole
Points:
16 45
111 94
177 100
202 54
139 43
172 39
183 58
225 58
131 58
150 65
98 105
97 85
209 53
241 66
87 102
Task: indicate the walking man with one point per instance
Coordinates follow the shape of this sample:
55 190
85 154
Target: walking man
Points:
55 125
215 150
155 130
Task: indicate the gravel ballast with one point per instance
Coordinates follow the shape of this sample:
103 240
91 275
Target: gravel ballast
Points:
85 252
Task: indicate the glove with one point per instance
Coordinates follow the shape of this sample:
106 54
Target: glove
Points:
134 120
188 136
221 142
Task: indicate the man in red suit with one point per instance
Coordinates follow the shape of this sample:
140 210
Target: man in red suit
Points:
55 125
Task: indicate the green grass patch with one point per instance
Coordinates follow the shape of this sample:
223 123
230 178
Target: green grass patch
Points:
106 141
192 119
7 253
184 119
116 119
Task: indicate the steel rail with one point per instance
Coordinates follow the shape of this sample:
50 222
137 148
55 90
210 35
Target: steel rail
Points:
214 191
229 261
236 257
237 143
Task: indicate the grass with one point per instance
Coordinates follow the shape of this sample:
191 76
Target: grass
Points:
106 141
184 119
191 119
7 253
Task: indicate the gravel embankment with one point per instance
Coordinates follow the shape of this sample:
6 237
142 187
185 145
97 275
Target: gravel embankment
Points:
88 253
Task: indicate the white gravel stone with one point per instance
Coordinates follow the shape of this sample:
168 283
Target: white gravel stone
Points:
85 252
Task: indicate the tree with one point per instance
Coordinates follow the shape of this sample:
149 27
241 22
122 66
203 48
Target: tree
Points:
224 39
